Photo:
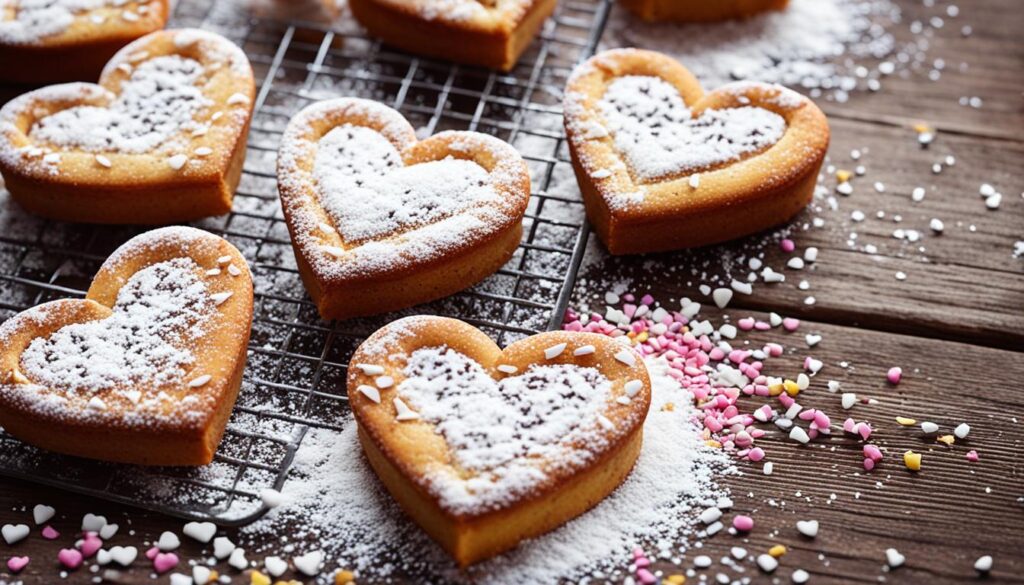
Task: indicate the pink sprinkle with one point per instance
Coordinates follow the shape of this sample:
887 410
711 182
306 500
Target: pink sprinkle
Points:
773 349
872 452
972 455
786 400
869 463
646 577
822 420
756 454
743 523
638 552
646 300
746 324
864 430
165 562
642 563
790 324
849 425
152 552
787 245
91 544
894 375
16 564
49 533
70 558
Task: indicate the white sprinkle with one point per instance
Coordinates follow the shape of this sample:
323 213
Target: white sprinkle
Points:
694 181
808 528
800 576
203 151
849 399
894 558
369 392
812 339
710 515
404 412
722 296
633 387
739 553
384 381
987 190
238 560
796 263
767 562
238 99
103 161
983 564
584 350
929 427
742 287
52 158
601 174
219 298
168 541
234 270
917 195
811 254
962 430
936 225
901 275
507 369
768 468
771 277
799 435
994 201
607 424
702 561
95 403
844 189
224 259
213 272
371 369
177 161
554 351
623 400
200 381
627 357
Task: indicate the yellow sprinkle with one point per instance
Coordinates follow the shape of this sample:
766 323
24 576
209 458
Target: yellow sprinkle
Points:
843 175
921 128
912 460
713 443
214 575
905 421
642 337
668 407
344 577
775 389
777 551
258 578
674 580
947 439
791 387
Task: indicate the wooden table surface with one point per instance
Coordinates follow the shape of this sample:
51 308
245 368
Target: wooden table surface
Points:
955 326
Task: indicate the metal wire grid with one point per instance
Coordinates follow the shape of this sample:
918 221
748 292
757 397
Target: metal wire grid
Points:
295 375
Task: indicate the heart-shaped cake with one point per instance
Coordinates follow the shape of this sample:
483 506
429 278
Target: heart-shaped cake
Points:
491 33
662 165
380 220
485 447
46 41
147 367
700 10
161 139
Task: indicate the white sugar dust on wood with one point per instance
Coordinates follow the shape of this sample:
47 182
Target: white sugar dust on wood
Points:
335 502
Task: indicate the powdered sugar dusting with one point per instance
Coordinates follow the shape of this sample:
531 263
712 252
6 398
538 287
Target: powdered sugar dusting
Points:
368 191
659 137
34 20
335 502
158 102
131 357
507 434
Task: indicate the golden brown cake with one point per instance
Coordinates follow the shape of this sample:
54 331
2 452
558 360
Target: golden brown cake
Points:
380 220
700 10
70 40
662 165
491 33
484 447
147 367
160 140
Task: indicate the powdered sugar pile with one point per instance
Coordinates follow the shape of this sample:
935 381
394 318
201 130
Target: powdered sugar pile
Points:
799 46
157 103
35 19
655 131
334 501
143 344
508 433
369 192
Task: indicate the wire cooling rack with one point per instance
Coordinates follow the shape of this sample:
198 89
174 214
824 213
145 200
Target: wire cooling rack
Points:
295 374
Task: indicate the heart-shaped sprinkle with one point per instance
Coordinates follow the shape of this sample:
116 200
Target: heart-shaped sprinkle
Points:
90 544
238 560
108 531
124 555
41 514
70 558
222 547
16 564
13 533
893 558
103 557
808 528
179 579
168 541
276 566
201 575
309 563
152 552
93 523
49 533
164 562
200 531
